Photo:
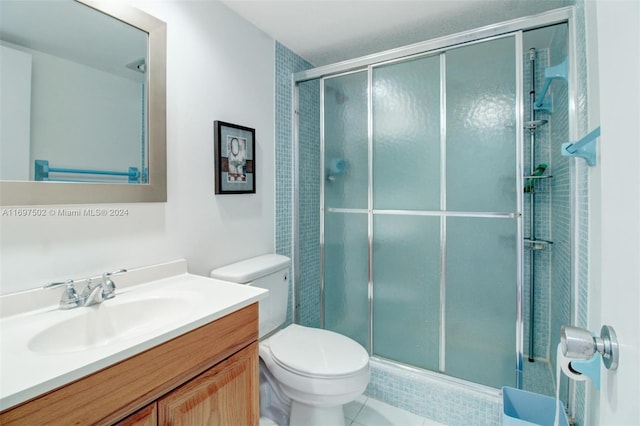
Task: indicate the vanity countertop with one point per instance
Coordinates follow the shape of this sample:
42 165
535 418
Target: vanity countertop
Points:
43 347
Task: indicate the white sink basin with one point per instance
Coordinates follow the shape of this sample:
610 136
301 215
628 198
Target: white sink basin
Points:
107 323
43 347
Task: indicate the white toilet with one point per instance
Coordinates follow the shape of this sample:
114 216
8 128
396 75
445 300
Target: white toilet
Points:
318 369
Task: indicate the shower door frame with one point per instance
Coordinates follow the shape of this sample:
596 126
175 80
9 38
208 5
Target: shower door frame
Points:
443 214
513 28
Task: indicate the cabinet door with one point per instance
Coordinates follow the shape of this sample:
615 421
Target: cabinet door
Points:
226 395
148 416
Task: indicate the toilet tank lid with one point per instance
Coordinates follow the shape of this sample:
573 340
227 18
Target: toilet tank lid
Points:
248 270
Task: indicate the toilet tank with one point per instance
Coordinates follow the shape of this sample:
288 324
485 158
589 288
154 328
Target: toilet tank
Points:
271 272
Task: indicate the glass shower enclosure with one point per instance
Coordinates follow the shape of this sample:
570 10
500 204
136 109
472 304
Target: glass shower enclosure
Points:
416 232
421 223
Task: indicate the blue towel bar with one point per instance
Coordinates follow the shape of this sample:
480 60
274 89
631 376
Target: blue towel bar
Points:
42 170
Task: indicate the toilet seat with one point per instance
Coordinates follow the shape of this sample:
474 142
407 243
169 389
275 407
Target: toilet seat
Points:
317 353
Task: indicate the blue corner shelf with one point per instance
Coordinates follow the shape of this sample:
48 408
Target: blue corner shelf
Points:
560 71
584 148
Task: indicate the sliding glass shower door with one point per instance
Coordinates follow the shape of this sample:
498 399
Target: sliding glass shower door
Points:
482 253
407 152
420 210
346 196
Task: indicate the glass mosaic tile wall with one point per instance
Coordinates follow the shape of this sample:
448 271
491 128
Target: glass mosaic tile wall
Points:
542 218
287 63
581 202
538 375
309 204
553 268
433 397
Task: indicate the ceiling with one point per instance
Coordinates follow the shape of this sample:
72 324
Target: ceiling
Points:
73 31
329 31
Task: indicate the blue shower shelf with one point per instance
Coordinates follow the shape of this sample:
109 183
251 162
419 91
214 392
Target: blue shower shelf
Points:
560 71
584 148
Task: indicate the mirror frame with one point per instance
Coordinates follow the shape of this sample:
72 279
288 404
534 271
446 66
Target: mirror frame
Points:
41 193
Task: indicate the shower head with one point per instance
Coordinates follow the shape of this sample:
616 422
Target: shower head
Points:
340 97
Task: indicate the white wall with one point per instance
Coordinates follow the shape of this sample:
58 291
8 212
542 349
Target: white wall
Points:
219 68
15 113
616 205
60 127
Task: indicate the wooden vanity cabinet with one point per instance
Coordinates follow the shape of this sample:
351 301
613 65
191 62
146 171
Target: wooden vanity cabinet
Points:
206 376
148 416
227 394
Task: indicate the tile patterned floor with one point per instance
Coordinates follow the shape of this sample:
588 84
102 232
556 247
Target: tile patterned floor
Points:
370 412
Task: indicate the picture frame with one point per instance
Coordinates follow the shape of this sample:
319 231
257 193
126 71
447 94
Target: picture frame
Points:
235 158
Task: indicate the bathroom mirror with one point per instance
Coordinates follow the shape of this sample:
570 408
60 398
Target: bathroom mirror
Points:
86 81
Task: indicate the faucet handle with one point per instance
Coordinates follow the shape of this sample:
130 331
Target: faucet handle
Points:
59 284
70 298
108 286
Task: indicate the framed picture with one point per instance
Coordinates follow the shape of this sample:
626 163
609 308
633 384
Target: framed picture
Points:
235 157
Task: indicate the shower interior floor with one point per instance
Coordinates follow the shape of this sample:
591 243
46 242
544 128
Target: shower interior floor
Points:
539 378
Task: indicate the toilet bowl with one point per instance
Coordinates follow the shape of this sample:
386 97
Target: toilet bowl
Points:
319 370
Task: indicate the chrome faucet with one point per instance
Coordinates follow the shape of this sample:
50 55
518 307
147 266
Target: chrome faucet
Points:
95 291
92 293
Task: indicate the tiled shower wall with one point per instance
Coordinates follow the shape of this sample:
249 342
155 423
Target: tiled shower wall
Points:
568 191
561 259
309 204
581 202
542 216
287 63
433 397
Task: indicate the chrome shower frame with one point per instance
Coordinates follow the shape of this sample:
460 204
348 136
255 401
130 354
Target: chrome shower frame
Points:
513 28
